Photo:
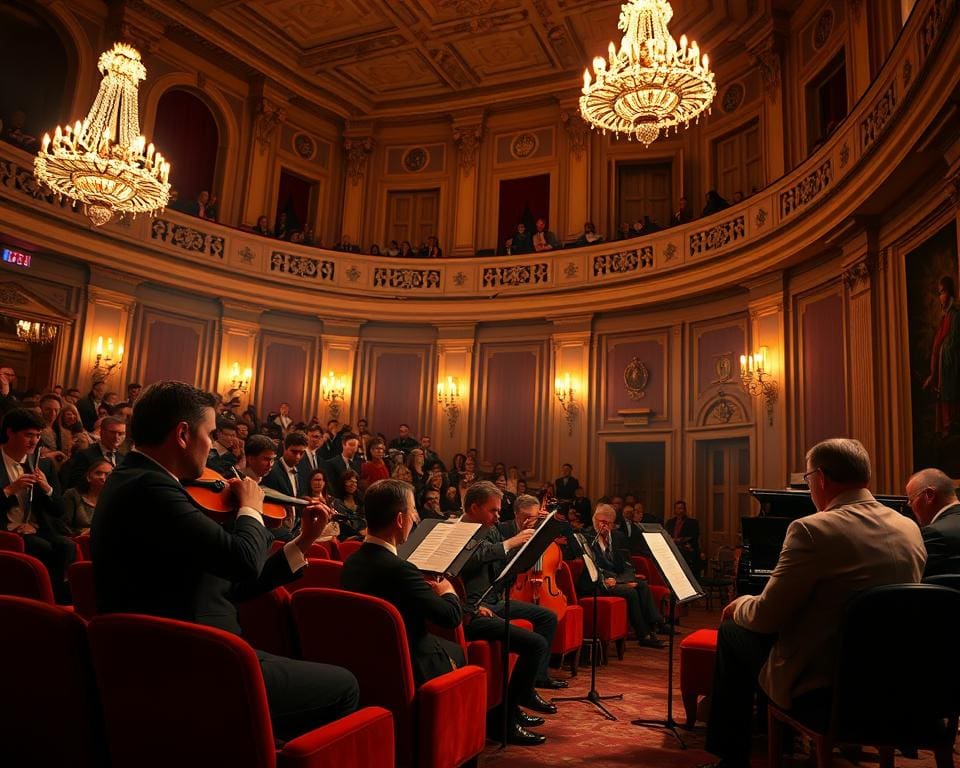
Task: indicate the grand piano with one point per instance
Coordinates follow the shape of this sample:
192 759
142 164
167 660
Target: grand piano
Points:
763 535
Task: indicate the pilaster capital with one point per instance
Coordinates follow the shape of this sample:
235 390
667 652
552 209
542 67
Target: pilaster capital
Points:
358 150
467 135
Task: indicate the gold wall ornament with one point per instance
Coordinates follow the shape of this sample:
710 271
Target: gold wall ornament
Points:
103 162
651 84
635 377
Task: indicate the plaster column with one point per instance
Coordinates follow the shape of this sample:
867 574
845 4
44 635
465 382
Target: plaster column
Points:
358 150
467 135
450 426
569 426
577 203
338 355
269 111
239 332
766 51
110 312
859 63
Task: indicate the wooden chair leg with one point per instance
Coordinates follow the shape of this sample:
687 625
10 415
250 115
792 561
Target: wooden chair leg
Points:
621 647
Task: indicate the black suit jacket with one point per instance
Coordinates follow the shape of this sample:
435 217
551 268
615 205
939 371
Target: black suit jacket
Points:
483 567
634 538
47 510
942 540
155 552
612 564
690 530
88 412
564 487
374 570
336 469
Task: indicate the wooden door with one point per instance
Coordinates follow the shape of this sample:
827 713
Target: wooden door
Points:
412 215
723 492
737 162
637 468
644 189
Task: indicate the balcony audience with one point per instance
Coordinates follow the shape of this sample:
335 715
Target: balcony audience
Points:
683 214
714 203
543 238
521 241
589 236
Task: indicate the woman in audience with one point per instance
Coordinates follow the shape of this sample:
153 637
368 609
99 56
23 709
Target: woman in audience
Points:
374 250
499 469
406 250
352 498
375 468
450 501
81 501
521 487
393 249
415 462
317 483
513 477
714 203
62 437
263 227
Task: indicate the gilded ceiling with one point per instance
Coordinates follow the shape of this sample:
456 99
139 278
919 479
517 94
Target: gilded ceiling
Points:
380 57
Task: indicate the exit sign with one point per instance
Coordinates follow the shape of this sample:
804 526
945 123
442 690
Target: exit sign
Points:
17 258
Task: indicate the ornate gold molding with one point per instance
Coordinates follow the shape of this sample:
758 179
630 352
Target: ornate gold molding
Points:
269 115
859 275
578 132
358 151
766 56
467 140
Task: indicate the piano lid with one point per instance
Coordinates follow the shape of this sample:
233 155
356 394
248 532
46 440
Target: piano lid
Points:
778 502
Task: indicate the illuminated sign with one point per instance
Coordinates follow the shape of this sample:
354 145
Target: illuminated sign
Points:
17 258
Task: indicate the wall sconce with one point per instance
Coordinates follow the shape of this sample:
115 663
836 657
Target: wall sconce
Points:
449 396
105 363
332 390
238 382
565 390
757 381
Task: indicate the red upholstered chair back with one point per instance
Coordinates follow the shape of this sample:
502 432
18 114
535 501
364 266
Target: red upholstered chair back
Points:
49 713
267 624
80 576
320 550
10 542
576 568
347 548
334 546
318 573
83 546
370 640
24 576
565 583
179 695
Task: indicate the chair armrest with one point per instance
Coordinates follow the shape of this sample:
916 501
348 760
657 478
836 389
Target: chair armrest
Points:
361 740
451 718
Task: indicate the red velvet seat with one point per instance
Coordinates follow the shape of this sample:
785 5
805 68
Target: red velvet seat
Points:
49 713
24 576
83 546
612 623
569 637
185 695
10 542
320 550
267 624
440 725
698 652
82 589
347 548
318 573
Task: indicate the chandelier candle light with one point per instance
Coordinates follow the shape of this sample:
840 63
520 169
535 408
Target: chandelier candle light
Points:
651 84
449 397
104 162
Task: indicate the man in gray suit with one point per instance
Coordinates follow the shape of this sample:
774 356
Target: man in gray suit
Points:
932 496
788 636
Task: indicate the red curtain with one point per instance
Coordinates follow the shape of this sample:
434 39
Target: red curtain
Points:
396 398
172 352
294 200
284 370
186 134
526 200
510 420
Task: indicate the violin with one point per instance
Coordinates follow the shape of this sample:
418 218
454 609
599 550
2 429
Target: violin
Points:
539 584
212 494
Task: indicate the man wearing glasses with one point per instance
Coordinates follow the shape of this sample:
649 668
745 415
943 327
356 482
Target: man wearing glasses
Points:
787 638
933 498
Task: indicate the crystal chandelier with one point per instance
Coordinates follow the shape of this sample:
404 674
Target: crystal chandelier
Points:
651 83
36 333
101 162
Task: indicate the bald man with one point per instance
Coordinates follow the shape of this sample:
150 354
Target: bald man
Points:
932 496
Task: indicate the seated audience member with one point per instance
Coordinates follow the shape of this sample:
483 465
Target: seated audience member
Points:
451 502
375 468
113 431
286 477
430 456
683 214
283 228
30 502
317 492
63 435
375 569
375 250
406 250
589 236
543 238
212 210
714 203
198 207
482 505
433 249
227 450
507 501
619 579
346 245
50 438
788 635
87 405
513 477
581 504
81 502
404 441
71 396
393 249
417 466
313 457
520 242
133 392
199 570
346 461
351 497
686 533
429 507
260 454
566 485
262 227
283 418
932 496
632 535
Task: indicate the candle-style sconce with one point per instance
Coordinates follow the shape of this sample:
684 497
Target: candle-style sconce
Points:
105 363
565 391
333 391
757 381
449 397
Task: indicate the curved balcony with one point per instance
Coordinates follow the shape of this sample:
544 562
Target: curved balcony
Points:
777 227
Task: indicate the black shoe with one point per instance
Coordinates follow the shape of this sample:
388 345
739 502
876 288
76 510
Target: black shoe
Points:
551 683
520 735
526 720
538 704
665 629
652 642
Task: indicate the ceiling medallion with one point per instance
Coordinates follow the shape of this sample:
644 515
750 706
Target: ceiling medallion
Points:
635 377
104 162
651 84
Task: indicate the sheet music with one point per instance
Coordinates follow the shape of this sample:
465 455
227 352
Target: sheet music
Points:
441 546
588 562
672 571
516 557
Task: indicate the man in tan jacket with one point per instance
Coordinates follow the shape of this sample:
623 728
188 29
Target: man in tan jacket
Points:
789 635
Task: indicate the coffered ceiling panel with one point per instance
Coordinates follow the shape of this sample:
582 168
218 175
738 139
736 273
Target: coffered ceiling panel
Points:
501 52
393 72
309 23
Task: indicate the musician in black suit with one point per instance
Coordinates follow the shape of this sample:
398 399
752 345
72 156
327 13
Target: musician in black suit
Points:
155 552
30 502
686 533
338 466
932 496
286 477
565 486
375 569
481 504
619 579
113 431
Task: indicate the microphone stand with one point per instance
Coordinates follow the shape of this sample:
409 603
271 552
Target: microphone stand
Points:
669 724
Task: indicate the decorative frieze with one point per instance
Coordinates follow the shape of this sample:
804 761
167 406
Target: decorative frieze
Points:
717 237
14 176
302 266
877 118
805 190
406 279
933 24
186 238
517 275
623 262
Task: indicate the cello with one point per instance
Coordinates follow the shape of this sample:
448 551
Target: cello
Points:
539 584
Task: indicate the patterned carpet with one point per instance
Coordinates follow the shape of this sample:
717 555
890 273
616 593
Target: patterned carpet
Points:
578 735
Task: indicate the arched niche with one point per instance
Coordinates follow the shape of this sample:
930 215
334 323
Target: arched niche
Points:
187 133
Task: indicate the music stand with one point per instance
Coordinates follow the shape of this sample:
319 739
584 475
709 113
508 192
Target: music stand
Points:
684 588
524 560
592 696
